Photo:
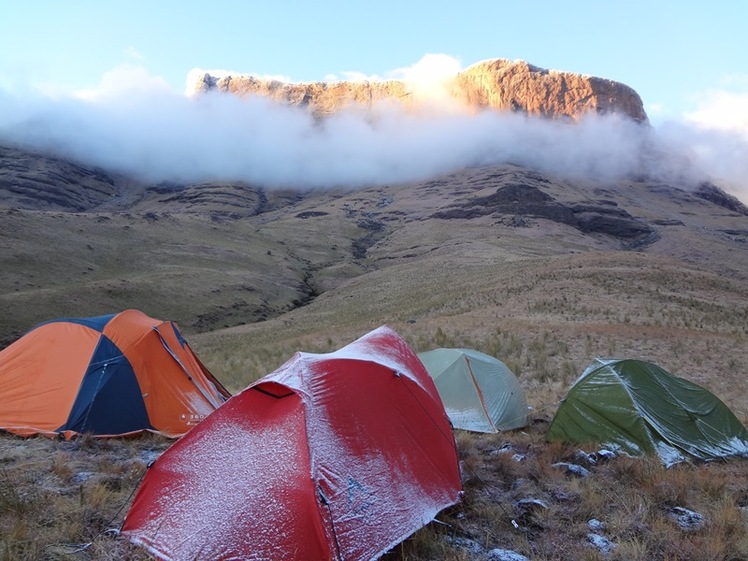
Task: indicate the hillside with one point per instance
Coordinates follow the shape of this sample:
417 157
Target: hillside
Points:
214 255
627 266
544 271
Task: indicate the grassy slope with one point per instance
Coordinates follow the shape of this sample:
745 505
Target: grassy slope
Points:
544 298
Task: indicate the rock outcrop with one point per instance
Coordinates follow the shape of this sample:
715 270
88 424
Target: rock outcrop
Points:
497 84
45 182
523 198
519 86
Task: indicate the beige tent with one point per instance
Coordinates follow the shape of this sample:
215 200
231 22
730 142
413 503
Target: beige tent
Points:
479 392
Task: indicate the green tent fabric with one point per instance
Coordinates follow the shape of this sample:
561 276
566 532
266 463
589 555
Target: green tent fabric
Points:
478 391
639 408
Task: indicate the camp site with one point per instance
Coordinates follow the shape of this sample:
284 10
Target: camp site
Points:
417 385
428 281
367 451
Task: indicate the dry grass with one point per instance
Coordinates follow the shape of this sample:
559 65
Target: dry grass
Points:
61 500
58 500
546 299
568 309
630 497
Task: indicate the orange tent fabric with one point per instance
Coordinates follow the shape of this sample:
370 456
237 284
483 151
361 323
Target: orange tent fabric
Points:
107 376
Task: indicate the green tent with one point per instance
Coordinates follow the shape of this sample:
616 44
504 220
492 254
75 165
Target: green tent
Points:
639 408
478 391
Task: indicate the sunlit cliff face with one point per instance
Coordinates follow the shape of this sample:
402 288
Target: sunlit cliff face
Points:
434 85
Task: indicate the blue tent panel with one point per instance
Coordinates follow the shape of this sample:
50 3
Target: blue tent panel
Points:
110 400
96 323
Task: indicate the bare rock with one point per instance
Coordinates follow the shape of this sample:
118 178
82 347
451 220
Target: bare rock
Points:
687 519
530 505
498 84
573 469
519 86
465 544
41 181
529 512
499 554
713 194
601 543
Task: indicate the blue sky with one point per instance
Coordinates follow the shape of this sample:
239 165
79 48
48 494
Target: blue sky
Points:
672 52
688 60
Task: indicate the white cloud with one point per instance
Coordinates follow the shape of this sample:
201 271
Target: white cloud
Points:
429 79
718 152
431 69
654 110
715 134
133 123
739 81
723 111
352 76
124 82
134 54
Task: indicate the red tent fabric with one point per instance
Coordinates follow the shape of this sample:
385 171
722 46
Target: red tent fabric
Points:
332 456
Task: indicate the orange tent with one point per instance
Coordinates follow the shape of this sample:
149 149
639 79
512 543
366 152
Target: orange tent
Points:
107 376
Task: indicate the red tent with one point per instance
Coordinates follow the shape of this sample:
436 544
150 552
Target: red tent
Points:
332 456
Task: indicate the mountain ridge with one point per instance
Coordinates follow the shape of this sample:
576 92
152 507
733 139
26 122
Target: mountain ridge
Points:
239 253
493 84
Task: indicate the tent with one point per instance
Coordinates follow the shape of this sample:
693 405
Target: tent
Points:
107 376
639 408
332 456
479 392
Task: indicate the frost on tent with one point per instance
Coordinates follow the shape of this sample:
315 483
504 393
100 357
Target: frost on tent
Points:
339 455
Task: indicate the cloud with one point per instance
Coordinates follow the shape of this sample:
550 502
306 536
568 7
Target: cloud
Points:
432 68
428 79
133 53
723 111
134 124
127 83
715 135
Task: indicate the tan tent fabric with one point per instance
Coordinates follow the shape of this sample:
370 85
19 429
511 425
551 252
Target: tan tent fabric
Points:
479 392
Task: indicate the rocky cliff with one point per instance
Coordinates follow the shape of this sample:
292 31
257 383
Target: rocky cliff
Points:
497 84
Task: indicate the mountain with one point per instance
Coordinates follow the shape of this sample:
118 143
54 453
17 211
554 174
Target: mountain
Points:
80 241
639 265
542 270
497 84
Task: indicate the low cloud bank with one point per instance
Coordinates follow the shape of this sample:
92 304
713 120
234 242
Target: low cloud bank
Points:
134 124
